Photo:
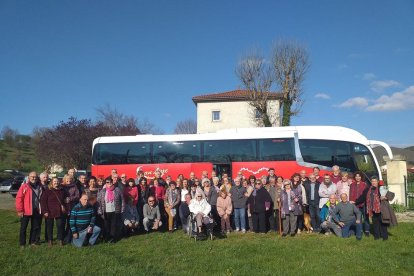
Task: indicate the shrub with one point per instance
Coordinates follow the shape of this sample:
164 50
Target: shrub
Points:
399 208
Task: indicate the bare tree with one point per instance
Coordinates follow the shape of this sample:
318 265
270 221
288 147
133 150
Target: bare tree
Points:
188 126
146 127
120 124
9 135
285 73
290 62
256 75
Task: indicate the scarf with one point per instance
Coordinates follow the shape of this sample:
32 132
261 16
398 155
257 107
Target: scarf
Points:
373 207
110 197
254 192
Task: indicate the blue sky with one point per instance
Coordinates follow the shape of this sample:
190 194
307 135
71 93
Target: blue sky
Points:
149 58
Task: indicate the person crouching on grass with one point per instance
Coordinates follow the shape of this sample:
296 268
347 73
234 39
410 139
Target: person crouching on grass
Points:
152 215
82 223
131 217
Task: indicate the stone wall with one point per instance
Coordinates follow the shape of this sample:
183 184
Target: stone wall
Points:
396 175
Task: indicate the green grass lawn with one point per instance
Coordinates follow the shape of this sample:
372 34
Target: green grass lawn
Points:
238 254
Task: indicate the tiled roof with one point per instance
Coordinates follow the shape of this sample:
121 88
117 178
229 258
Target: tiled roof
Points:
235 95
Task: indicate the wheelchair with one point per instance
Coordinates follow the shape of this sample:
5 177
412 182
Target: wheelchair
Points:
207 228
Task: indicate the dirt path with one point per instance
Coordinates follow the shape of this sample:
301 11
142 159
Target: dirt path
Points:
7 201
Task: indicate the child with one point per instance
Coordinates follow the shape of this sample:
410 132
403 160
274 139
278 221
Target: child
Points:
224 209
131 218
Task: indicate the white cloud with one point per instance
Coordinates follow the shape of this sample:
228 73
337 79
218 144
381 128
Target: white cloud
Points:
396 101
369 76
381 85
322 96
357 101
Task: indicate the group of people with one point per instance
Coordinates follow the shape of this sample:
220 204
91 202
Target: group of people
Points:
86 209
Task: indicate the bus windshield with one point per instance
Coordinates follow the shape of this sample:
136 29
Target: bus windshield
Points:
347 155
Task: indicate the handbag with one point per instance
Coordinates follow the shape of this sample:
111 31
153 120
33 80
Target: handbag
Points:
62 207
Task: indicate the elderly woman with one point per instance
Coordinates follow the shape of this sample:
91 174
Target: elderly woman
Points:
343 185
291 207
259 202
111 206
200 208
373 201
71 198
211 196
53 209
172 199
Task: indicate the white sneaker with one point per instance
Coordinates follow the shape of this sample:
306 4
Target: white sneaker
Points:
243 231
237 229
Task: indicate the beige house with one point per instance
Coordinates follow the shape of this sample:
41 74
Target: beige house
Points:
232 110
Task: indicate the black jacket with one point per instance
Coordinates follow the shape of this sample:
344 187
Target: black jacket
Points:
308 190
258 203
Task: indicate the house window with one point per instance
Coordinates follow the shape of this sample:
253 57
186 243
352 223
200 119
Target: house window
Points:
216 116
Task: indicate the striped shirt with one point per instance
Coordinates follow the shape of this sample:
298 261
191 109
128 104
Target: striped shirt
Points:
81 217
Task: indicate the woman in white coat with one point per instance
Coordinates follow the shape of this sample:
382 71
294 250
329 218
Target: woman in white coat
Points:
200 208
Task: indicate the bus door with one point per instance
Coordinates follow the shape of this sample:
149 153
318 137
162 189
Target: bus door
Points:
221 169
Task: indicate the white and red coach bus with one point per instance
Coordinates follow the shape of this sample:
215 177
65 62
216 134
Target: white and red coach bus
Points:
251 151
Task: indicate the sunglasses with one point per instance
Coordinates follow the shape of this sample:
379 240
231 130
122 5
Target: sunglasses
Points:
107 182
150 200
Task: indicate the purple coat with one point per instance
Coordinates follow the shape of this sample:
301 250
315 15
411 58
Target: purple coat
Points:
296 207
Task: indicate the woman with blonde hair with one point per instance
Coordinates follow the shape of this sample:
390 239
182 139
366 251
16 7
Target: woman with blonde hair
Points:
71 198
343 185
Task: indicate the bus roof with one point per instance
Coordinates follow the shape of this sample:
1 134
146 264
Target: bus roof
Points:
303 132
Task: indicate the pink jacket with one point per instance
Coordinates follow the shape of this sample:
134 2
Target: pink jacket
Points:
24 200
224 206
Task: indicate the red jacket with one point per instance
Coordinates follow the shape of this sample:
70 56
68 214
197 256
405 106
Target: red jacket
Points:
131 192
358 193
159 192
24 200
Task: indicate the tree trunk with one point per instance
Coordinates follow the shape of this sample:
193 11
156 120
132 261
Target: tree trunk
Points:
286 113
266 120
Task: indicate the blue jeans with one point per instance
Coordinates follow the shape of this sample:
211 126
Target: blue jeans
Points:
239 218
352 224
82 236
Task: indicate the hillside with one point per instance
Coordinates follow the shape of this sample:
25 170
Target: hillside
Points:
410 148
380 152
18 155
